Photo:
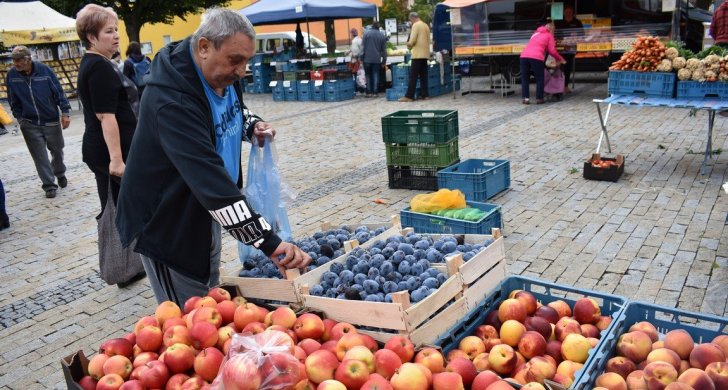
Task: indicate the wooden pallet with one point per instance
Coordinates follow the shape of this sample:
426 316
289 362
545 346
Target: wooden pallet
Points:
467 284
286 290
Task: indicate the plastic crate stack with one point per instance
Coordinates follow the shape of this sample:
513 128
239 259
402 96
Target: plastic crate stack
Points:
329 85
263 73
436 84
418 144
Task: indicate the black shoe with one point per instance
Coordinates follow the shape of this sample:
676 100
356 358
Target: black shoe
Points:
4 222
51 193
134 279
62 182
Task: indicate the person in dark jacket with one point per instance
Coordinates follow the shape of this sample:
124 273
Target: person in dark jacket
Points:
183 177
374 57
136 65
570 27
35 95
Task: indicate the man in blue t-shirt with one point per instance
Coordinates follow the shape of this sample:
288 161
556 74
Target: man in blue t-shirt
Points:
182 181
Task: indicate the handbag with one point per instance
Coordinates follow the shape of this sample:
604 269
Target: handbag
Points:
116 263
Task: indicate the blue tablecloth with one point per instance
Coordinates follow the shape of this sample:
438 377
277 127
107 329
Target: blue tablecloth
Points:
698 104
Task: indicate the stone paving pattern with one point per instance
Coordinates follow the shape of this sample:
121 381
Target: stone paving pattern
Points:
658 234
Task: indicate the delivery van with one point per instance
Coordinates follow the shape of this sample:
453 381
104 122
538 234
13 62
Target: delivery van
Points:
285 40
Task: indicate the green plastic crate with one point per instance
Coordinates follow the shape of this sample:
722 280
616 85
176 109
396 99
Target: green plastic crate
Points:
433 126
423 155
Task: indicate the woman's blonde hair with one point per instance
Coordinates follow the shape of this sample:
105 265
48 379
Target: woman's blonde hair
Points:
90 20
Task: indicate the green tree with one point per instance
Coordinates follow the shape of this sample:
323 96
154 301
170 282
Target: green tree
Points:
137 13
425 9
396 9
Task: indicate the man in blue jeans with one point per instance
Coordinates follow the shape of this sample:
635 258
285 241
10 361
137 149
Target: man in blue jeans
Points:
374 57
35 95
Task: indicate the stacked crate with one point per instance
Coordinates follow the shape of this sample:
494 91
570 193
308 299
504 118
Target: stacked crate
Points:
418 144
436 85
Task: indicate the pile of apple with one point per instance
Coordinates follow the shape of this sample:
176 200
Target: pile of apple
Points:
187 349
643 361
530 342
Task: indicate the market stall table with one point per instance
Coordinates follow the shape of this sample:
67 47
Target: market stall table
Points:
708 104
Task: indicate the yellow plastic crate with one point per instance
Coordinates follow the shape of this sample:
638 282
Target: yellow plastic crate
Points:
517 49
596 46
464 50
502 49
482 50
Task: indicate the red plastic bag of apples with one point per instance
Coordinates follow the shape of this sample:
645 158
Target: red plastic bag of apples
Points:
262 361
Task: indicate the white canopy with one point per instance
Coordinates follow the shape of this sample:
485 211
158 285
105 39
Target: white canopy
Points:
33 22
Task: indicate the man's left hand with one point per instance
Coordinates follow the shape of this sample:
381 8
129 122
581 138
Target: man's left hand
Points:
65 121
263 129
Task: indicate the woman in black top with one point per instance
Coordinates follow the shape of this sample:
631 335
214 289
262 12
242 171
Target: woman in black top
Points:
109 100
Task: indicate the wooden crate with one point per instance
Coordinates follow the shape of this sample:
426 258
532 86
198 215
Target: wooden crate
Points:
286 290
424 321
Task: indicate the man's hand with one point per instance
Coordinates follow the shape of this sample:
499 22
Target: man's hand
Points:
294 257
65 121
117 167
262 129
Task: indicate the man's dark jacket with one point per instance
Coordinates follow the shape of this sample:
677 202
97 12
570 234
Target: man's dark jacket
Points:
36 97
175 183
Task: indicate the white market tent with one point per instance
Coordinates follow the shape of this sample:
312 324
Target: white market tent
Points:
32 23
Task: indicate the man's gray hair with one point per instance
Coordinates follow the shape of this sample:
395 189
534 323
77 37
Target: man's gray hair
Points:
413 15
219 24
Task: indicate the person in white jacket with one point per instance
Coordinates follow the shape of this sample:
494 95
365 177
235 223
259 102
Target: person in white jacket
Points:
355 50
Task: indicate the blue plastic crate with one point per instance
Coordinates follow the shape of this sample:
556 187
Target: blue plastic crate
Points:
400 71
279 94
545 292
338 95
395 93
304 95
478 179
655 84
698 90
664 319
429 223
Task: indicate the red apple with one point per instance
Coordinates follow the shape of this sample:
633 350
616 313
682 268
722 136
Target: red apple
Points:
176 334
207 363
284 317
96 365
484 379
241 373
464 368
376 382
309 345
447 381
110 382
321 365
227 311
146 321
328 325
281 370
175 381
386 362
87 383
219 294
254 327
246 314
352 373
402 346
117 346
206 302
179 358
190 304
117 364
431 358
409 377
208 314
203 335
154 375
340 329
133 384
309 325
149 338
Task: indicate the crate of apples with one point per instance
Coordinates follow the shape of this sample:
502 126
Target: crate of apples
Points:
527 332
654 348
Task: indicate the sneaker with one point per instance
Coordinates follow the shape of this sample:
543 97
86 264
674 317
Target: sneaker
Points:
525 101
62 182
51 193
4 222
404 99
540 101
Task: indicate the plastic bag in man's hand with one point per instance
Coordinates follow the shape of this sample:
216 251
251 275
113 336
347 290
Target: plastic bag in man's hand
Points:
261 361
267 193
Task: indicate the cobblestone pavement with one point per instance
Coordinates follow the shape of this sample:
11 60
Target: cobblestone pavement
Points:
657 235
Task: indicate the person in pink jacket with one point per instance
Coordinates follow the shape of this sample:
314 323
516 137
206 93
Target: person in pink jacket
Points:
532 60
